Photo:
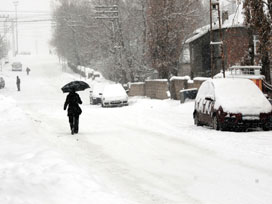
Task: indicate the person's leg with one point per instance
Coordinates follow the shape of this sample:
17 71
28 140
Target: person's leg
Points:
71 121
76 123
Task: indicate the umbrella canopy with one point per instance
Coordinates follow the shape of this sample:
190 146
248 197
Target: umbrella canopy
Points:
75 86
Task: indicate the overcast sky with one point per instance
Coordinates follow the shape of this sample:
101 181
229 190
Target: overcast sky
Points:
26 4
34 35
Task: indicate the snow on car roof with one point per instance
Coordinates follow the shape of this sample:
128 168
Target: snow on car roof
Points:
97 88
112 90
239 96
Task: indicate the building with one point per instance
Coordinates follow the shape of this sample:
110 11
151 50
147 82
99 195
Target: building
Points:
239 42
184 62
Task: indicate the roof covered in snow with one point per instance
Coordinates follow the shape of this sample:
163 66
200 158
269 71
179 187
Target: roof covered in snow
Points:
234 20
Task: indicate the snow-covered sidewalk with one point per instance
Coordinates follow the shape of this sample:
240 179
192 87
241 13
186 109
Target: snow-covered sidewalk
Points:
148 152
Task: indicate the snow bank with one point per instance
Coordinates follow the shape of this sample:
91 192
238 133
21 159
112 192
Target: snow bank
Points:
201 78
149 152
156 80
229 74
6 103
180 78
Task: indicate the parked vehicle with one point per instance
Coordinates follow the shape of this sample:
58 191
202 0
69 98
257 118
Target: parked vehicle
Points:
96 93
114 95
232 104
6 60
2 82
16 66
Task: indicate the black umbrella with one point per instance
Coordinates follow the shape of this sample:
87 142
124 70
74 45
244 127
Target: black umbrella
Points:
75 86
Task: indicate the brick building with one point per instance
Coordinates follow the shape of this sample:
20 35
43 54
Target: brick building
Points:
239 42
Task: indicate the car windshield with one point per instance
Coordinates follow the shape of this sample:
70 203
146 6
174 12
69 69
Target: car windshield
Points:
16 64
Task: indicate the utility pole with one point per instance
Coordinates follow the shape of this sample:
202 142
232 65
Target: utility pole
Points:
5 21
6 17
4 37
13 38
16 20
111 14
214 5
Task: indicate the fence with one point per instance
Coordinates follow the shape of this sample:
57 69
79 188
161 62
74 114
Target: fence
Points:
162 89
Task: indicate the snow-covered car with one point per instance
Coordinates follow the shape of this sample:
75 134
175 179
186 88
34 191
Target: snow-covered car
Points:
114 95
16 66
96 93
2 82
232 104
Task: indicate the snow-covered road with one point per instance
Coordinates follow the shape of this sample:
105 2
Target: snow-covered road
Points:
147 153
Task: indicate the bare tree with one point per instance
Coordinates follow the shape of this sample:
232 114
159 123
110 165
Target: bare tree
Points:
3 48
169 22
259 18
124 43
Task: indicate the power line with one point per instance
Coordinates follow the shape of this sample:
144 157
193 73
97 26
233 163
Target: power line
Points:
30 21
11 11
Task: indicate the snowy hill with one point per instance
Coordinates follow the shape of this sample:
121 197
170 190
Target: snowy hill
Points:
146 153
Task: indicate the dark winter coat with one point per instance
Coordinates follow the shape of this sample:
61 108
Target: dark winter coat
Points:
18 81
73 100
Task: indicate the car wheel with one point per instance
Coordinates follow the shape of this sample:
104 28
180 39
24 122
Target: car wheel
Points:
95 102
196 120
266 127
215 123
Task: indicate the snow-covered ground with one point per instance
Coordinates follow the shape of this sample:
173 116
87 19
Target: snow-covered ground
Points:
147 153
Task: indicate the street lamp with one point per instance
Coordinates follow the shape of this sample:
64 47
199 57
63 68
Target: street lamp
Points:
16 19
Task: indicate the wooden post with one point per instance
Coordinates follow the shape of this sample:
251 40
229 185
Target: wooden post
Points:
211 40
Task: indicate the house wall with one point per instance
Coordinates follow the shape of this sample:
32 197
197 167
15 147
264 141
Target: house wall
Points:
197 83
137 89
184 70
176 85
200 56
156 89
237 41
236 45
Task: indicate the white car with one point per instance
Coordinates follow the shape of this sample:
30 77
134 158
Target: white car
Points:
96 93
2 82
16 66
232 104
114 95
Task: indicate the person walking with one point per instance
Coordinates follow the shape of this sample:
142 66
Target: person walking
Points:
73 112
27 70
18 83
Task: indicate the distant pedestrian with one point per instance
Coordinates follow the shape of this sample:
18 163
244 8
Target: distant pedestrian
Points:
18 83
74 110
27 70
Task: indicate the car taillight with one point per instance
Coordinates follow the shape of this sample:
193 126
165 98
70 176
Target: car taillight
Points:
221 112
238 116
265 116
